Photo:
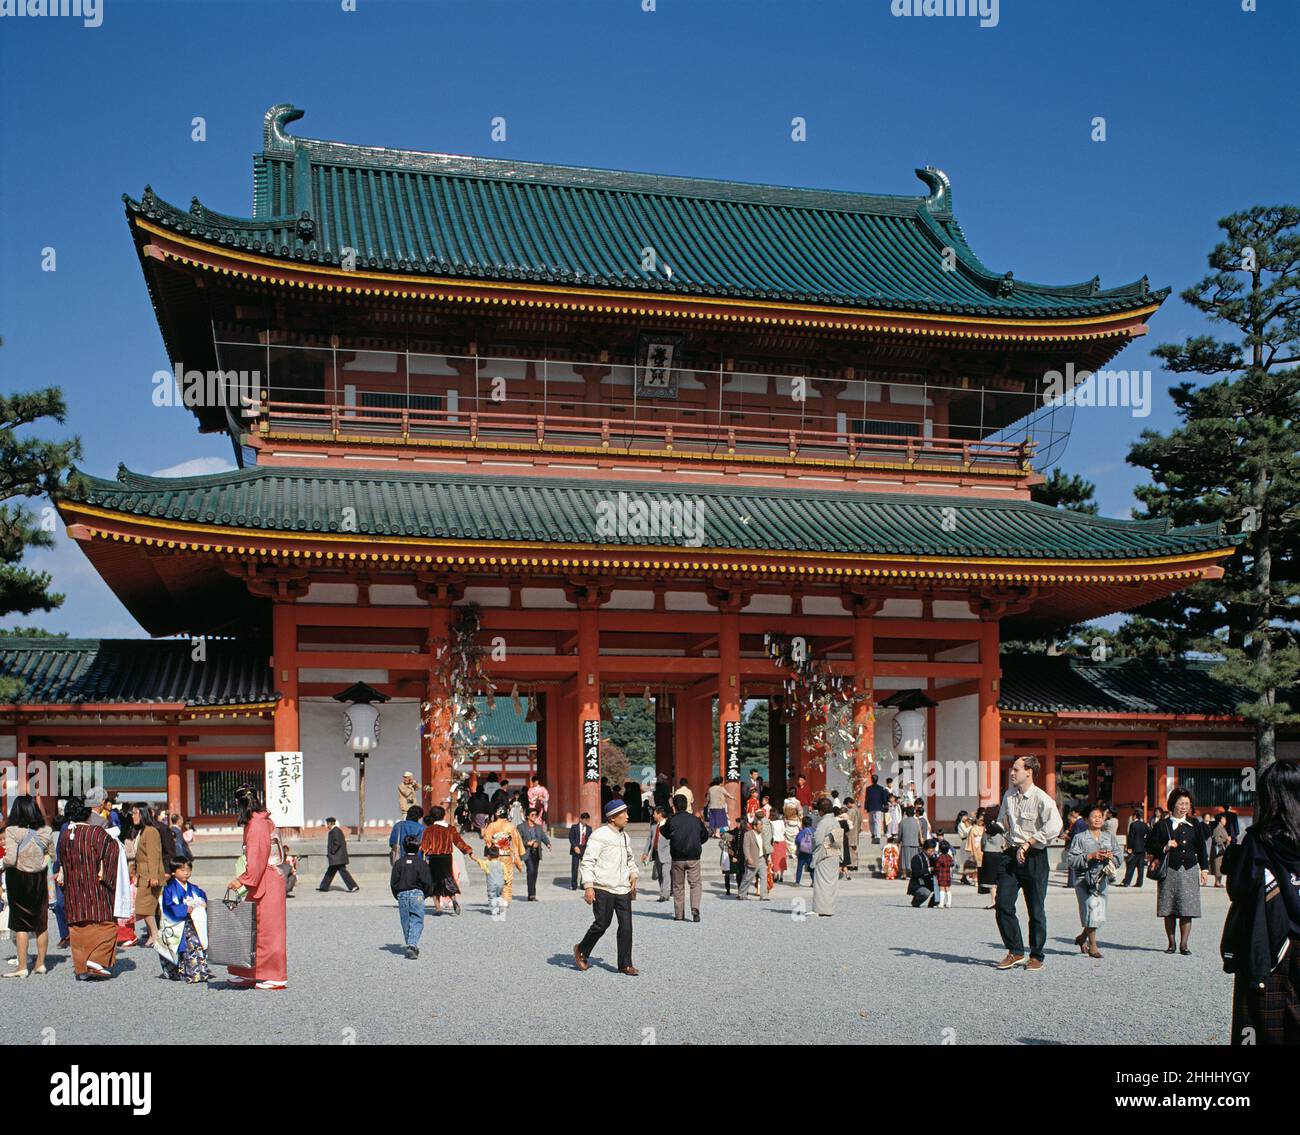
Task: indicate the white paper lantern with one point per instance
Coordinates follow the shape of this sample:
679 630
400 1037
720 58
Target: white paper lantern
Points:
362 727
909 733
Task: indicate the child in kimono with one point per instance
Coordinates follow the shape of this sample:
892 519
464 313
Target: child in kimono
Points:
889 859
494 869
943 868
183 933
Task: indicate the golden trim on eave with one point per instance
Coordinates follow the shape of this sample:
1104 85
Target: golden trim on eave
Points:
958 566
393 287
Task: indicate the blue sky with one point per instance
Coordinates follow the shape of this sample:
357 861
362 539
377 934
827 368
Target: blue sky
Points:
1198 98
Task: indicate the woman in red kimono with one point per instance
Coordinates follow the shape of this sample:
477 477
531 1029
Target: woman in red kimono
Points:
265 885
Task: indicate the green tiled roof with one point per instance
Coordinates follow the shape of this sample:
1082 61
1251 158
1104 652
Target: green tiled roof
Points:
504 220
59 671
503 727
552 510
1038 683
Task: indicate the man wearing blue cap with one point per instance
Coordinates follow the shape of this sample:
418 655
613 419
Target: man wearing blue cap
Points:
608 876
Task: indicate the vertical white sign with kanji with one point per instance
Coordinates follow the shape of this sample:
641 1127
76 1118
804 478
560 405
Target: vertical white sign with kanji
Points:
284 789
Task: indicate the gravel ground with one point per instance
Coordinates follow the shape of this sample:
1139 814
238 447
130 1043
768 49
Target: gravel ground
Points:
878 971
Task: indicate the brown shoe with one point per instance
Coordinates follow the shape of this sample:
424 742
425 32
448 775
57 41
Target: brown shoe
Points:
630 971
1011 960
578 959
1034 963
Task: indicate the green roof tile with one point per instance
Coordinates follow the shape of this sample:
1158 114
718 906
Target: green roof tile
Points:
551 510
503 727
497 219
65 670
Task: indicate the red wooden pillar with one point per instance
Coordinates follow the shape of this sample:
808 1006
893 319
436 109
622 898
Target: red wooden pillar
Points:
588 699
284 652
728 701
990 723
1049 764
566 764
24 759
815 766
684 743
435 757
798 762
174 767
1165 776
664 736
864 648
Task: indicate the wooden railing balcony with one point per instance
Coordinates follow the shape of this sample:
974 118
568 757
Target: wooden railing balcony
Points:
499 429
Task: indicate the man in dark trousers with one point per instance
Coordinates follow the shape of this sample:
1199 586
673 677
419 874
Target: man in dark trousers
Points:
1136 851
533 833
336 855
608 876
686 834
579 833
877 803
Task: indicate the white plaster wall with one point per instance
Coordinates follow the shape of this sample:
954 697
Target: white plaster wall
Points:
957 740
395 595
325 758
902 609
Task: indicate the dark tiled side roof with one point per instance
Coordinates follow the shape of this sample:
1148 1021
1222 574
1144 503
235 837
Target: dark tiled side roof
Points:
57 671
1037 683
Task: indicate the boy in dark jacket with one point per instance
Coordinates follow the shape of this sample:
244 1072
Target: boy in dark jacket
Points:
411 884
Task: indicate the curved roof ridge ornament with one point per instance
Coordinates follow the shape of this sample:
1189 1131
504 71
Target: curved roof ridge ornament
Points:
274 122
940 186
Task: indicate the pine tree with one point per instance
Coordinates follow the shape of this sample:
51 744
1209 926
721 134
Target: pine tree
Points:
1235 459
30 467
1066 490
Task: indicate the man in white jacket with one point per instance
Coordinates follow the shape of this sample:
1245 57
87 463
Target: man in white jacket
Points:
608 877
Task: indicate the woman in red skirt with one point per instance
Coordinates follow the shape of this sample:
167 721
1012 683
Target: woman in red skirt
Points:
778 843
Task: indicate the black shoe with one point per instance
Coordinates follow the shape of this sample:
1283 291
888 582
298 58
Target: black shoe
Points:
695 916
679 918
455 906
532 898
411 952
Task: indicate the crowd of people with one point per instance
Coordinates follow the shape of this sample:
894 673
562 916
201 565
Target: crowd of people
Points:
107 870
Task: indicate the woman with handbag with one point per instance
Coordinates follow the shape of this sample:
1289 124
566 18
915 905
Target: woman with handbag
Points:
1178 864
263 883
27 842
1093 854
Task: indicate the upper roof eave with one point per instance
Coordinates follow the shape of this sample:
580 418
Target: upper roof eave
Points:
310 233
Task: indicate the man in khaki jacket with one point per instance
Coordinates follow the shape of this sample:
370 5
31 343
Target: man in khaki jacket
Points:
408 793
